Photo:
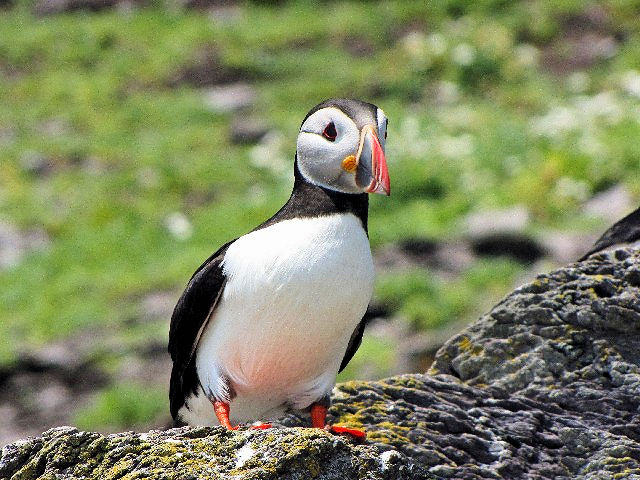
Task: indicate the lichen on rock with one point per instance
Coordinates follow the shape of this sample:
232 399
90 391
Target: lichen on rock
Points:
546 385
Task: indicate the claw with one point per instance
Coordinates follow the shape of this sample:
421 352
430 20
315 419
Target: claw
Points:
356 434
260 426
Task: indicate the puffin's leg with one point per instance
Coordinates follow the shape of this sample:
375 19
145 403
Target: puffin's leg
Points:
319 418
318 415
222 412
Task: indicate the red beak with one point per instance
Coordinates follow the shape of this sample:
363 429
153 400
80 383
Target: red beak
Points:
372 170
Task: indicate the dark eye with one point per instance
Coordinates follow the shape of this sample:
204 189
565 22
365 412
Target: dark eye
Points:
386 126
330 132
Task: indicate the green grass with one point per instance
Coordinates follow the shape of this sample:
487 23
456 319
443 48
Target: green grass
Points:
429 302
475 122
122 406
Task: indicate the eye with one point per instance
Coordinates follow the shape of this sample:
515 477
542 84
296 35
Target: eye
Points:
330 132
386 126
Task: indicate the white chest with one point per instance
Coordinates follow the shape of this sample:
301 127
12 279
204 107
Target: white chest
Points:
295 292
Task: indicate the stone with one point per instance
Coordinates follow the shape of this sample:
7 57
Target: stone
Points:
53 7
15 244
207 69
230 98
518 246
564 247
200 453
503 233
247 130
490 222
611 204
35 163
444 257
545 385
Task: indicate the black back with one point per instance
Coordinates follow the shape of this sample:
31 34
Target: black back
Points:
626 230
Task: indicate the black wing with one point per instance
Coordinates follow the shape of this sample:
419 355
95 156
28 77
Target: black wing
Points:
187 324
626 230
354 343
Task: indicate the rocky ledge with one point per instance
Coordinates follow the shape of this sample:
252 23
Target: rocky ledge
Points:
546 385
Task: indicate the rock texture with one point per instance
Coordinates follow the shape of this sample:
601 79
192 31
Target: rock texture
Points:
546 385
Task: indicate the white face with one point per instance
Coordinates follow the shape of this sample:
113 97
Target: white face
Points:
329 147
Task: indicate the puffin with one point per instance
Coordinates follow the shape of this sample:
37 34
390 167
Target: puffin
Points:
267 322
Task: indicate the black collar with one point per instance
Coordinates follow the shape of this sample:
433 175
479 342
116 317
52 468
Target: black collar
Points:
309 200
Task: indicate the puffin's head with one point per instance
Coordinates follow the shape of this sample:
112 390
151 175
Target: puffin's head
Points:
341 147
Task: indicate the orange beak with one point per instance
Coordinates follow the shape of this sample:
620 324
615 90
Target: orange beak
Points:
372 173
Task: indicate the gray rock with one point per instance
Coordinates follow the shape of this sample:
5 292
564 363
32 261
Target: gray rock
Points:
15 243
611 204
207 68
491 222
546 385
195 453
53 7
158 304
564 247
445 257
247 130
230 98
503 233
563 353
35 163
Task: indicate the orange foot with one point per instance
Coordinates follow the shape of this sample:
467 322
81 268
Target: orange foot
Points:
260 426
359 435
222 412
318 420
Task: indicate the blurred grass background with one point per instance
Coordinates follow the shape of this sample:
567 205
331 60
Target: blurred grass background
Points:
136 137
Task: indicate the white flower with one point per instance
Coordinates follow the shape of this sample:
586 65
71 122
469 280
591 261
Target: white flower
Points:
571 188
415 45
268 154
578 82
456 147
558 121
412 137
463 54
178 226
448 92
591 146
631 82
527 55
604 104
437 44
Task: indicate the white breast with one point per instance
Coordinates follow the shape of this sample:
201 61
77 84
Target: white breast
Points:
295 293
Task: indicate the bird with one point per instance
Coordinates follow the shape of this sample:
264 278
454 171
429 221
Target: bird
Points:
625 231
267 322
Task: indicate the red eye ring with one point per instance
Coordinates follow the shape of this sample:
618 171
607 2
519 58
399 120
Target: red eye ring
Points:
330 132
